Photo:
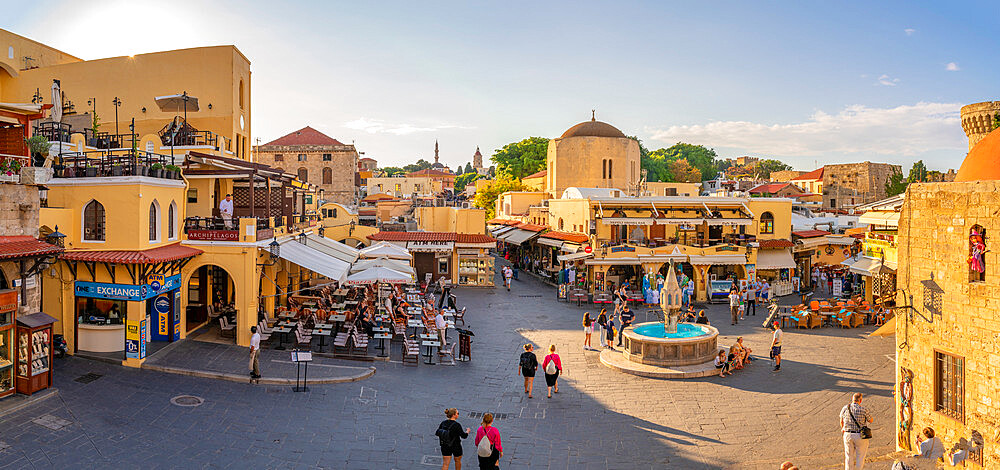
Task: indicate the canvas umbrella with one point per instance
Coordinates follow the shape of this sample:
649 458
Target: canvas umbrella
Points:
57 113
393 264
378 274
386 250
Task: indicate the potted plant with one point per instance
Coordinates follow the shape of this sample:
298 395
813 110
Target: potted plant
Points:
38 148
116 169
91 170
175 171
156 170
69 172
95 128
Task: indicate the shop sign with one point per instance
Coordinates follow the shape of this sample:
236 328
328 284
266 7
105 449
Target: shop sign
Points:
104 290
751 272
624 248
142 338
424 246
729 222
8 301
727 248
162 307
132 339
215 235
156 281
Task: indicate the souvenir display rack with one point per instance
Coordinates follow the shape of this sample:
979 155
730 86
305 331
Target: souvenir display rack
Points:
34 352
8 308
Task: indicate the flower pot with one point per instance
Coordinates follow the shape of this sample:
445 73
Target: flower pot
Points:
141 170
116 170
92 142
156 172
91 172
69 172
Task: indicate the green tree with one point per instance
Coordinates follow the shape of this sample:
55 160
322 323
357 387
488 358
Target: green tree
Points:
657 166
486 198
392 170
519 159
698 156
764 168
918 173
684 172
469 168
420 165
459 172
896 184
464 179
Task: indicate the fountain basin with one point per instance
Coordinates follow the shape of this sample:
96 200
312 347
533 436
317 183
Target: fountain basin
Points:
647 343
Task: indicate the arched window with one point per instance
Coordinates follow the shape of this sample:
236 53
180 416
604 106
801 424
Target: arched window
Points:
604 168
327 176
609 169
333 212
172 221
977 254
154 221
241 94
303 175
560 223
766 223
93 222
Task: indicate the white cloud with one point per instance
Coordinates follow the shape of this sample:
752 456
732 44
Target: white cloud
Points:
909 31
378 126
901 131
887 80
952 67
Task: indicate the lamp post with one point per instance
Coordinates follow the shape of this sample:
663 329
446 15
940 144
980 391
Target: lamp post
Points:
273 251
118 103
57 238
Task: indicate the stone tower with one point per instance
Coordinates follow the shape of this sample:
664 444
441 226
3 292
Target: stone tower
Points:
477 162
436 156
977 120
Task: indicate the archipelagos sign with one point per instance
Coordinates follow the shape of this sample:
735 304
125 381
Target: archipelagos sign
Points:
104 290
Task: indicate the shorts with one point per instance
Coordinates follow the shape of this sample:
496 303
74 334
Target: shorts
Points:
588 329
775 351
454 449
527 372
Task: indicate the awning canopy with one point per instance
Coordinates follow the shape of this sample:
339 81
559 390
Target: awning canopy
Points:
880 219
570 247
333 248
378 274
775 259
550 242
717 259
394 264
502 230
888 329
313 260
866 266
386 250
613 261
575 256
518 236
177 103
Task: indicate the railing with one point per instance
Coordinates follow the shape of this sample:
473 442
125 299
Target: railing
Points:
54 131
117 162
214 228
10 167
192 138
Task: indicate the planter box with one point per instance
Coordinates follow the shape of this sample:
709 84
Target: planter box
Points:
116 171
91 172
35 175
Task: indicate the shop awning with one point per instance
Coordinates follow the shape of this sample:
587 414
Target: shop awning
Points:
550 242
775 259
866 266
25 246
160 254
840 240
518 236
394 264
330 247
888 329
378 274
628 220
502 230
721 260
575 256
879 218
386 250
851 260
613 262
313 260
569 247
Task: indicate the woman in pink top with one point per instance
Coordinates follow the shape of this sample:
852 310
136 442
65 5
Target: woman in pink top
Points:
552 373
489 432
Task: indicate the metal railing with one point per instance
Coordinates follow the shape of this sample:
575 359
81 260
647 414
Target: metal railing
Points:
115 162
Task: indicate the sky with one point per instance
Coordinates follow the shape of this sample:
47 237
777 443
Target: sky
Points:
804 82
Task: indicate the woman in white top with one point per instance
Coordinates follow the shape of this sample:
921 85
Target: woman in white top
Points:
930 447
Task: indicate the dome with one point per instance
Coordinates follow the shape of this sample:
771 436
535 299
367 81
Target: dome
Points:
983 161
592 128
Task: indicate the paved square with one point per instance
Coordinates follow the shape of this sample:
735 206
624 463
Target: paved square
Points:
601 419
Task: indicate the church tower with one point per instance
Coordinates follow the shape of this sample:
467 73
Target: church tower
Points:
477 162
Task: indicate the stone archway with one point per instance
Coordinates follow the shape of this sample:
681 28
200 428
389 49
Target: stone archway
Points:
209 289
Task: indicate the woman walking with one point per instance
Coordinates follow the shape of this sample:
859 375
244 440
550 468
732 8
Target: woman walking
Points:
588 330
553 367
451 435
602 324
490 451
526 367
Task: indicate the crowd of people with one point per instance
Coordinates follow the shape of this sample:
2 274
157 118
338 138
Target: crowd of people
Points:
744 301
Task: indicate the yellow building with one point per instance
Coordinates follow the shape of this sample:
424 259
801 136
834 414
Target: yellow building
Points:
516 204
811 182
405 186
342 223
947 332
572 159
450 219
462 259
536 181
656 188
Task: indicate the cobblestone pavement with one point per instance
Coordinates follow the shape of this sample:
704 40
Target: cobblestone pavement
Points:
601 419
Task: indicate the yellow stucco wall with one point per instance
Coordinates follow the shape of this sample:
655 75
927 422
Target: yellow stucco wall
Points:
513 204
404 186
781 209
657 188
450 219
577 161
14 49
564 214
537 183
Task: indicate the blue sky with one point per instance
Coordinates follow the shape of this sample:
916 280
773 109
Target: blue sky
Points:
806 82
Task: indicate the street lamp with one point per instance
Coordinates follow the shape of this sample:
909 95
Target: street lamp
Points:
322 231
302 237
118 103
273 251
57 238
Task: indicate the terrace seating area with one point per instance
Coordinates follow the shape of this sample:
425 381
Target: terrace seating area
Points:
852 313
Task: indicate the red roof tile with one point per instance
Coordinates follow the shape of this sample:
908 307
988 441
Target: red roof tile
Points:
769 188
430 237
25 247
502 222
811 176
151 256
537 175
305 136
531 227
566 236
810 233
377 197
773 244
431 172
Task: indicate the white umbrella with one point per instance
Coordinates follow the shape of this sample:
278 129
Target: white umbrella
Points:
385 250
378 274
57 110
393 264
177 103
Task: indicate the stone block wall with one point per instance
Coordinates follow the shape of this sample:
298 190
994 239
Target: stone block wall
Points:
342 167
977 120
933 241
866 180
19 216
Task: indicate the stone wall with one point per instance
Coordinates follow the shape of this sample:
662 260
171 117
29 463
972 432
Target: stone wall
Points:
977 120
19 216
864 181
933 241
785 176
343 164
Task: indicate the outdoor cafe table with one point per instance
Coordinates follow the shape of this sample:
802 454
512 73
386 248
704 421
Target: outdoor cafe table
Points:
430 341
351 303
323 333
282 330
287 324
340 292
579 295
381 333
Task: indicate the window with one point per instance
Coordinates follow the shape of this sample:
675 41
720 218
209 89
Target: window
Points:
670 191
327 157
241 94
327 176
949 385
154 216
172 221
333 212
442 265
303 175
302 157
399 187
93 221
560 223
279 157
10 52
766 223
604 168
192 195
977 254
609 169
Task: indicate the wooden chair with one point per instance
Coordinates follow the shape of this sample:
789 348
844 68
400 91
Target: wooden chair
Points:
264 335
303 339
814 306
844 318
225 329
359 344
411 352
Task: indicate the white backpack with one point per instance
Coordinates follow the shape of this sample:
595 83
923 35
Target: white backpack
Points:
484 449
551 367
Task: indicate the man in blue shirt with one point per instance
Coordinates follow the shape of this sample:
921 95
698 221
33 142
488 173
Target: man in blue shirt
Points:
626 317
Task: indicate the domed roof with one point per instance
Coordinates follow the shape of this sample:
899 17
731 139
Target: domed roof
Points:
983 161
592 128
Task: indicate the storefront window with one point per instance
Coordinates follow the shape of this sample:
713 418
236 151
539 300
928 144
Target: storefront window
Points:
100 311
766 223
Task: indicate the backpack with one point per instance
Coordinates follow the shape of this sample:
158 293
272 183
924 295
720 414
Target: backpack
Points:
485 447
551 367
526 362
444 433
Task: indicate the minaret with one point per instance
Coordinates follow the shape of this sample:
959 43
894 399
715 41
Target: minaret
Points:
436 152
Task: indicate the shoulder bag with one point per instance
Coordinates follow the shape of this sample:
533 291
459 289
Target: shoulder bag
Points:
485 447
866 432
550 368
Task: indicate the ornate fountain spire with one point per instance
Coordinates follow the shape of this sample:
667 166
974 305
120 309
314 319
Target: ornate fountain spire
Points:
670 300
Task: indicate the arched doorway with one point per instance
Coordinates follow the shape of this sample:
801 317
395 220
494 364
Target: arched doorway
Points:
211 295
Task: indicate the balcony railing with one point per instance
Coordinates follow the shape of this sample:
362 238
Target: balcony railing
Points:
116 162
10 167
214 228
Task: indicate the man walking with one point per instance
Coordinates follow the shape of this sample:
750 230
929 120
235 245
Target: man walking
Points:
734 304
852 418
507 275
753 291
776 346
254 353
626 317
226 210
